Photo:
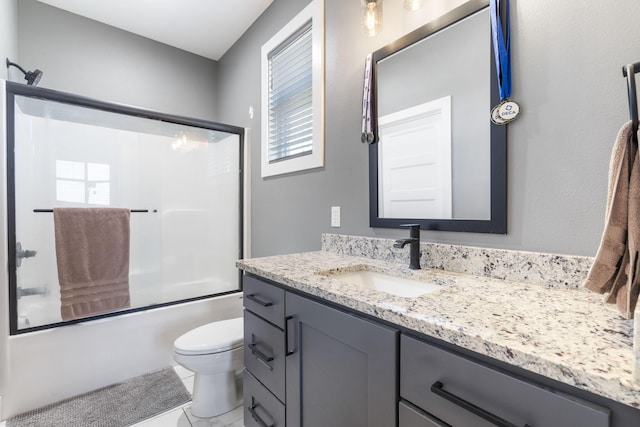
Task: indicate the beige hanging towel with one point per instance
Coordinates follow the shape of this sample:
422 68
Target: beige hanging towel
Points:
615 268
92 251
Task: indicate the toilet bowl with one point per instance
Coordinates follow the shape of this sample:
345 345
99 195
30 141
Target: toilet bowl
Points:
214 353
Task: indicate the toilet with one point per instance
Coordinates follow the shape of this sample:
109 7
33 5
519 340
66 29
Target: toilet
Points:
214 353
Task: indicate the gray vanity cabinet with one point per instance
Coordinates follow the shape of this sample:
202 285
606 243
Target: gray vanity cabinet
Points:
264 354
310 365
457 391
341 370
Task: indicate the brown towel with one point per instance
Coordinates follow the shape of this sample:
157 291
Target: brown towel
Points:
92 251
615 268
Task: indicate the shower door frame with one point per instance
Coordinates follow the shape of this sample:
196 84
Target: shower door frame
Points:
16 89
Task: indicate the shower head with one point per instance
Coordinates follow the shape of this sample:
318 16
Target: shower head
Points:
32 77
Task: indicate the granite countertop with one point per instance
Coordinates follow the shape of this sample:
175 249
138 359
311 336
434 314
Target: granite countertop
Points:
563 334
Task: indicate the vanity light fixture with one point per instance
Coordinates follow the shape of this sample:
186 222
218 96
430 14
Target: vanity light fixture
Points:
32 77
372 17
412 5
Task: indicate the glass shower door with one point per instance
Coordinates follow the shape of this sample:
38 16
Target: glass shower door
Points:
182 183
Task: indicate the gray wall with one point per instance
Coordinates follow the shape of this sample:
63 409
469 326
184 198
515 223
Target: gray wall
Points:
85 57
290 212
8 33
567 59
567 76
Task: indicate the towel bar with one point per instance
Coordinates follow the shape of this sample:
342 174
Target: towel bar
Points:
629 72
132 210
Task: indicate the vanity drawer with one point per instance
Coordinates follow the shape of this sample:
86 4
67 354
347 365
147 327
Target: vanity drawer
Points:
410 416
264 353
461 392
260 406
264 299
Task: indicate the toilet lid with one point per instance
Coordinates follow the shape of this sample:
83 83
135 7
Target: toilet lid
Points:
211 338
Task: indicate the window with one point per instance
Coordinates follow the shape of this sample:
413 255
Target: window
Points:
292 95
80 182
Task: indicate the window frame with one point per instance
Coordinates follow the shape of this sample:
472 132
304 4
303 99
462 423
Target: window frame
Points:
313 12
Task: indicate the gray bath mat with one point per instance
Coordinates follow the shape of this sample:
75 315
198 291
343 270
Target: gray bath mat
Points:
117 405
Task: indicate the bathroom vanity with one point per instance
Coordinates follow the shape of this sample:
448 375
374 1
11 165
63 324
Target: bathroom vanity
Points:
320 351
339 368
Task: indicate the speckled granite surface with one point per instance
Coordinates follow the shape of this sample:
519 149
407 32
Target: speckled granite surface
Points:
551 330
550 270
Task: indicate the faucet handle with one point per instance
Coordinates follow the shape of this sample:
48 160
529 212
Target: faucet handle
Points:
414 229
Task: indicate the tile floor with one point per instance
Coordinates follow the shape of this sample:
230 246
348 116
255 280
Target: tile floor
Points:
182 417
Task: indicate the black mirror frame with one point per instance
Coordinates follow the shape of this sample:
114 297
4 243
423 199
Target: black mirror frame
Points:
498 222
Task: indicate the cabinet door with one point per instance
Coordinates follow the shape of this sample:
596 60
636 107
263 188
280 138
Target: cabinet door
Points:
341 370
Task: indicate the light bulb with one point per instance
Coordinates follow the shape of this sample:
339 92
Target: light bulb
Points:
372 20
412 5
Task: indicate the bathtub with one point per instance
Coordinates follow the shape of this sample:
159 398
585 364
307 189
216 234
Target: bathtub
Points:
43 307
53 364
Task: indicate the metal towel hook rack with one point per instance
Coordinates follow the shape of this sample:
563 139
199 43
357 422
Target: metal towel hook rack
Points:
629 71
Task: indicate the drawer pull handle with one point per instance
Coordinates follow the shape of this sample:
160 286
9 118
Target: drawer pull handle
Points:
258 300
288 351
255 416
261 356
437 388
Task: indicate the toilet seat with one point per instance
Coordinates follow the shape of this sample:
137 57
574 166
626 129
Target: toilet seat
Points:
215 337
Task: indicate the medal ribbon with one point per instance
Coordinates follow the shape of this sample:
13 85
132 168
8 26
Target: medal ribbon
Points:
367 125
501 48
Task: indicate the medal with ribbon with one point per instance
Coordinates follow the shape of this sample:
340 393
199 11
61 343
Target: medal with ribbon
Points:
368 132
507 110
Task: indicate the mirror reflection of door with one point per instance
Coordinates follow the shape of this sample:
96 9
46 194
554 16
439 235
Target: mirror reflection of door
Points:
415 163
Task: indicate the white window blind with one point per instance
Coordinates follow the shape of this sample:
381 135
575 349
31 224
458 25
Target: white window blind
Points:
290 97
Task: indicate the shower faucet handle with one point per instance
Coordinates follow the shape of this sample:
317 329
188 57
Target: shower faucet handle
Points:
23 253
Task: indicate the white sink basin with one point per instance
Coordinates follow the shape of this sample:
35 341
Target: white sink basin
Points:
393 285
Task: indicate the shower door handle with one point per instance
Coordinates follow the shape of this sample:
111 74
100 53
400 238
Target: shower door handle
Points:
23 253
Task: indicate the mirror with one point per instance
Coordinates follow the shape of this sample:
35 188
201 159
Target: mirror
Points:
439 162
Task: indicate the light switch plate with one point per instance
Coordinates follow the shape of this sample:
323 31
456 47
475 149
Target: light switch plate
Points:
335 216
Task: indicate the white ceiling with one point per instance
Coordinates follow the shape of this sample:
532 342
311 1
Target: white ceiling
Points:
205 27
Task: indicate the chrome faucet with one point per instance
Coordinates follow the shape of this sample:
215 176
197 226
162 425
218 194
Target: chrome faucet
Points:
414 245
